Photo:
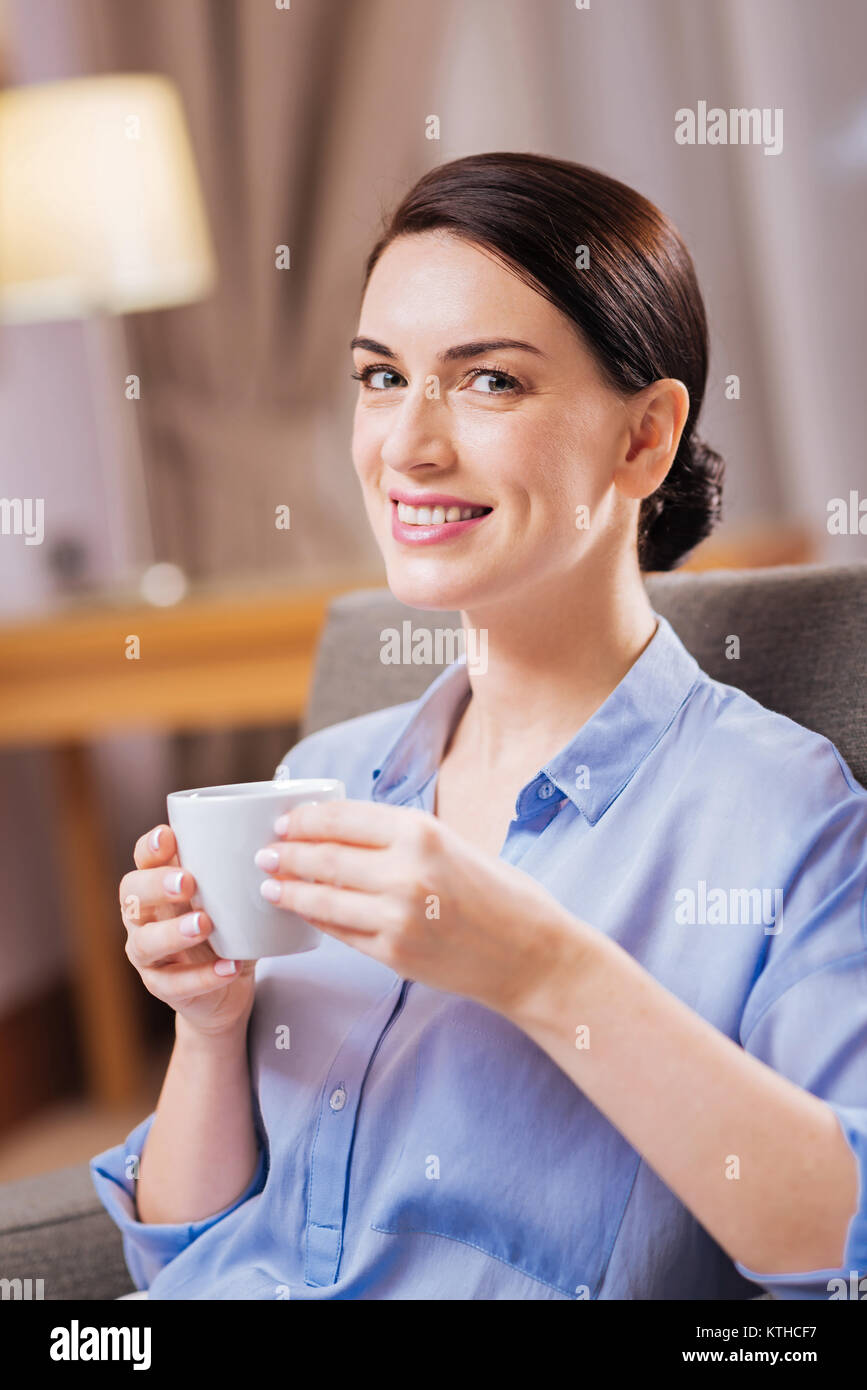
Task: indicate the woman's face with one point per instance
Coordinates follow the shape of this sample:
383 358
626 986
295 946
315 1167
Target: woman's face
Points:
530 433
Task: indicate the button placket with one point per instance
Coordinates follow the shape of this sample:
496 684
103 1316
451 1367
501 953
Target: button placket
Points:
332 1143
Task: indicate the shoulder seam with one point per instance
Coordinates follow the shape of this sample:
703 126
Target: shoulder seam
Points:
829 965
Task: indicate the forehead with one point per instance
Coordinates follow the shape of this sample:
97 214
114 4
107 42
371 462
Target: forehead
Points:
443 287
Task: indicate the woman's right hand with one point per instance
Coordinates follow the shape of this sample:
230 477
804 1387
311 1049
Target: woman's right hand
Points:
167 942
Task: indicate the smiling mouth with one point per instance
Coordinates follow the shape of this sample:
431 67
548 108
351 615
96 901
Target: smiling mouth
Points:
436 516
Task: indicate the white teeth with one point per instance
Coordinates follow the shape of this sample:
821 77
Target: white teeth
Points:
435 516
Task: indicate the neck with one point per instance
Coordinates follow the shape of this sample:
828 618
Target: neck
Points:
552 660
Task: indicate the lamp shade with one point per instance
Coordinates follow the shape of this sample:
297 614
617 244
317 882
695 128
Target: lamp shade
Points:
100 205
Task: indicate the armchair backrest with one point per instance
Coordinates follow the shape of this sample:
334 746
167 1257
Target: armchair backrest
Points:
801 644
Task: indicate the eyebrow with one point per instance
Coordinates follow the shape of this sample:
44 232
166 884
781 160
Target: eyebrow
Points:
452 354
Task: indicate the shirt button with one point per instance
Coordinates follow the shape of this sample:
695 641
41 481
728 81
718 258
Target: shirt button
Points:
547 789
338 1099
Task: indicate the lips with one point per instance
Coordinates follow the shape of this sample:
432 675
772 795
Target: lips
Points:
434 518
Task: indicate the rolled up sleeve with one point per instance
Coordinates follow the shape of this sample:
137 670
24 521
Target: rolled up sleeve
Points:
147 1247
844 1282
807 1018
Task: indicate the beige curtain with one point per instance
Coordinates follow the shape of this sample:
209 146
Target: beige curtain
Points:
309 121
303 123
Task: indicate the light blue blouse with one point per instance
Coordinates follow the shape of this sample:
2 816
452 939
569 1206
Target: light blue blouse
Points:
416 1145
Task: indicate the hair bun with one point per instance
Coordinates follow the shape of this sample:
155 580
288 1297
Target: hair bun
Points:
684 509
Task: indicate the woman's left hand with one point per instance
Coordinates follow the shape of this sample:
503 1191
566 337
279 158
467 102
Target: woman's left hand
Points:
406 889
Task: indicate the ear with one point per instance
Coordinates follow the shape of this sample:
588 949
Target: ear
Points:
655 420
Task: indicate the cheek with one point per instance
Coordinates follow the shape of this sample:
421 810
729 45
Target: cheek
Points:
364 449
557 468
580 458
533 461
511 451
365 462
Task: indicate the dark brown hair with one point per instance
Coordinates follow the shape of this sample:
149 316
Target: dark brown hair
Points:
636 305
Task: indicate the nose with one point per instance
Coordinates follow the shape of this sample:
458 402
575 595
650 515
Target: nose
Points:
417 434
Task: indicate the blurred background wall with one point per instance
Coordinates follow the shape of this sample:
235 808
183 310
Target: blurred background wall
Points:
307 122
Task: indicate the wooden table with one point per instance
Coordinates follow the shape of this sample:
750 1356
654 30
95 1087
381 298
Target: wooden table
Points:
214 660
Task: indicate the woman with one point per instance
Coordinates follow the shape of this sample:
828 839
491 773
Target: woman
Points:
524 1063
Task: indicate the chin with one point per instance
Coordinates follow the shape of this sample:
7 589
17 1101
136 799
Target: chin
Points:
438 593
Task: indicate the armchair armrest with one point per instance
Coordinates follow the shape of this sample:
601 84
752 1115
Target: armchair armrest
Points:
54 1228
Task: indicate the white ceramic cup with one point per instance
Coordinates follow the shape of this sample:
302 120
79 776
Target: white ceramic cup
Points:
218 831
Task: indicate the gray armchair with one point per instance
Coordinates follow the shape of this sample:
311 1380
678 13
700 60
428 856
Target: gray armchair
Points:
803 639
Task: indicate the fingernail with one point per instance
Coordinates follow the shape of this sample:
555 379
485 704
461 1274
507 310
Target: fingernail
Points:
270 889
191 926
154 840
224 967
172 882
267 859
281 825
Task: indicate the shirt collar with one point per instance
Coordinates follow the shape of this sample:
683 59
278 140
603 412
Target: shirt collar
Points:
593 768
